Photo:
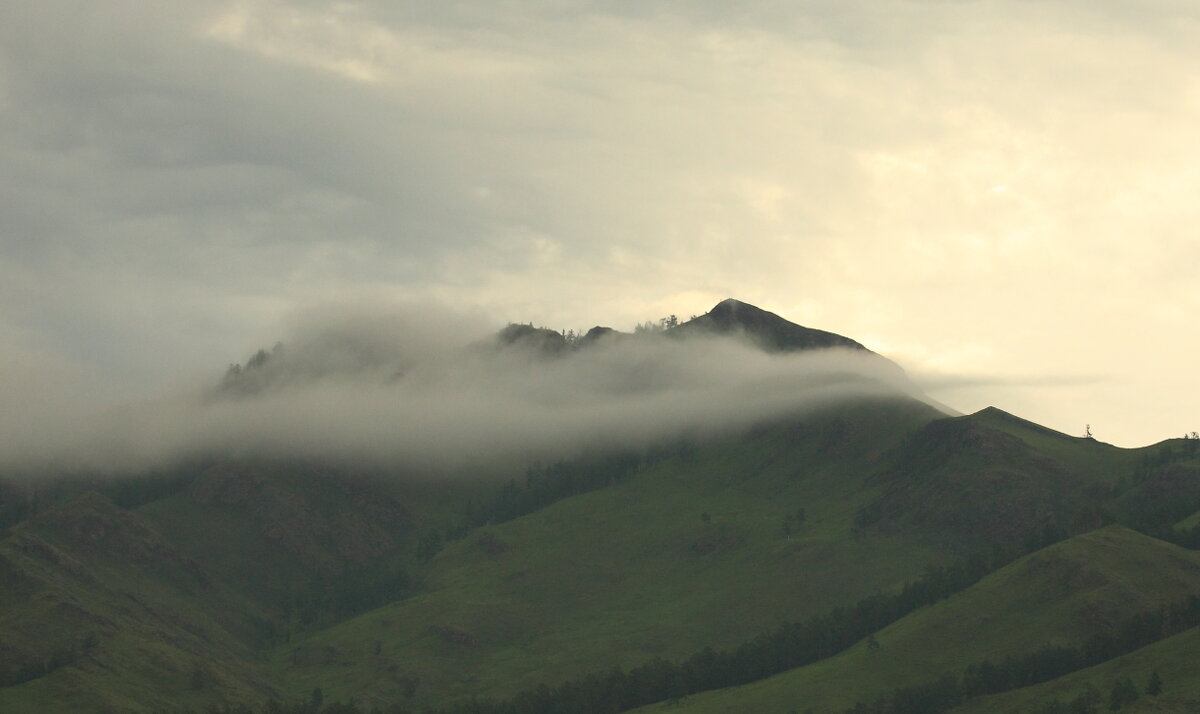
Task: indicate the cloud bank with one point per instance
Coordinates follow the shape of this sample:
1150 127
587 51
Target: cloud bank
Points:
426 391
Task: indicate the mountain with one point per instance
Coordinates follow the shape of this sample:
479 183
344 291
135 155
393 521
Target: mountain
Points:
766 329
861 546
728 318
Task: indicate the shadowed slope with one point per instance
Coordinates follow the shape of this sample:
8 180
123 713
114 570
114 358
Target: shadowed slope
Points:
100 611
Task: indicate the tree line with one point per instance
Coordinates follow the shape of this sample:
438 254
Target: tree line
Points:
542 487
1123 693
1042 665
790 645
618 690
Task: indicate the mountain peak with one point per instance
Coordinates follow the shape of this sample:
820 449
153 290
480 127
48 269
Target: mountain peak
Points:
768 330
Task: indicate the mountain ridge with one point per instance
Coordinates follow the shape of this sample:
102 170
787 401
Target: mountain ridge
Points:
730 318
766 329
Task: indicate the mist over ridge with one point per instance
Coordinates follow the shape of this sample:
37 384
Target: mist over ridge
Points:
435 391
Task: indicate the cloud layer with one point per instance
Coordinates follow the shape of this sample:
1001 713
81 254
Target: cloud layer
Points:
420 390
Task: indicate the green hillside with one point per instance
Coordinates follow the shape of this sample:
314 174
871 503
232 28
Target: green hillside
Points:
1173 659
991 476
101 612
703 545
1060 595
633 572
290 526
177 601
318 579
652 566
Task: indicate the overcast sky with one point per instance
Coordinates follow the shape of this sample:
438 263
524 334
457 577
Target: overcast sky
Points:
1003 197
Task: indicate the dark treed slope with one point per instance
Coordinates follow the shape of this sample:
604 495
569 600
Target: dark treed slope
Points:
101 611
1172 660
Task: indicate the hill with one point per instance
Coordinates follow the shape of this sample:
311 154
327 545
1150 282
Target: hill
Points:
999 477
766 329
1172 660
1061 595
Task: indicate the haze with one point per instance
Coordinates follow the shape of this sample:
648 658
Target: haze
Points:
999 195
421 391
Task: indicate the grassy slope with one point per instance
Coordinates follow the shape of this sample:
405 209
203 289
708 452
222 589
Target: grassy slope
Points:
614 576
993 476
268 529
87 568
1060 594
632 571
187 582
1173 658
284 535
1096 458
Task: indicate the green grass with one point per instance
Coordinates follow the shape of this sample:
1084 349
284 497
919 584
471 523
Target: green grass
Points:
1188 523
1095 459
630 572
1173 658
1059 595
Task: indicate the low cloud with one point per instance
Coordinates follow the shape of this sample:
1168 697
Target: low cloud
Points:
946 381
432 391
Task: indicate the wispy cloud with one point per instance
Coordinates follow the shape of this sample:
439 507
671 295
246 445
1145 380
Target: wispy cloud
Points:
424 389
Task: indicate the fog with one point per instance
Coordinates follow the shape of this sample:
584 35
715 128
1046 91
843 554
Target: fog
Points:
432 391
